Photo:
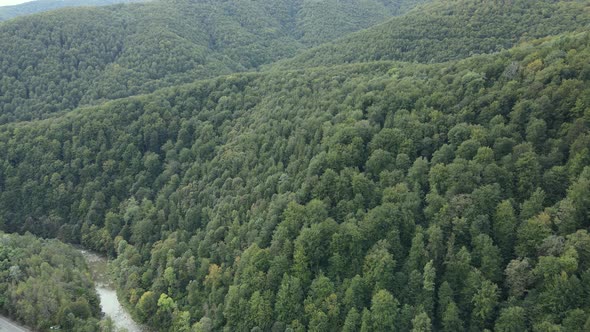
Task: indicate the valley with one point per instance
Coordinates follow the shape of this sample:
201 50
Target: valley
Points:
297 165
107 293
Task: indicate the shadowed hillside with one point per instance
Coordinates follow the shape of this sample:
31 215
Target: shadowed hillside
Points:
38 6
382 196
447 30
58 60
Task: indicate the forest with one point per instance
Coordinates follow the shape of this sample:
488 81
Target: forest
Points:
443 185
59 60
39 6
450 30
45 283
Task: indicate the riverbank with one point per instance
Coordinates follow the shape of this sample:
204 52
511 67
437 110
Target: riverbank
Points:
107 293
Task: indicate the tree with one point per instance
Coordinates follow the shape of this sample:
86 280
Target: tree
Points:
319 322
445 297
289 300
484 305
147 306
575 320
512 319
366 321
421 323
487 257
181 321
428 289
417 256
379 266
504 228
578 193
260 311
531 233
533 205
458 267
384 312
528 174
203 325
352 322
358 294
235 307
166 308
518 276
450 318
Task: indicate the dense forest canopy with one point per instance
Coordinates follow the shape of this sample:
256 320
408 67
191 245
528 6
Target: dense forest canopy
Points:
59 60
381 196
37 6
45 283
450 30
438 185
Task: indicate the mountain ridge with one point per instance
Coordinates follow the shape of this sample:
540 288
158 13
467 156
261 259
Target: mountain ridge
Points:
134 49
320 195
442 31
310 181
39 6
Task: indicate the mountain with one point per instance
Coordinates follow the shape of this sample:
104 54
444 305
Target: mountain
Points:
387 195
320 21
431 173
38 6
59 60
447 30
46 283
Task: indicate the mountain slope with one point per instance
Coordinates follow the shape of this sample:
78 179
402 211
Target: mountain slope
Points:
322 21
447 30
385 195
58 60
38 6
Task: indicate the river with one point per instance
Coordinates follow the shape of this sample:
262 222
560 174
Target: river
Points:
7 325
109 302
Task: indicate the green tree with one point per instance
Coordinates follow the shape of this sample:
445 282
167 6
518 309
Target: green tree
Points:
260 311
531 233
384 312
288 306
421 323
353 321
147 306
451 320
484 305
504 228
511 319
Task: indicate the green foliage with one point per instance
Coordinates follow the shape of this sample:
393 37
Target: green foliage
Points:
449 30
376 196
59 60
45 283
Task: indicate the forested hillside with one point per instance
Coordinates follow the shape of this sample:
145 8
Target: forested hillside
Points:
37 6
318 22
431 173
45 283
384 196
450 30
60 60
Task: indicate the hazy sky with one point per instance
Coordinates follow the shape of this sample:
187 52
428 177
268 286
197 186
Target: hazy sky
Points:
11 2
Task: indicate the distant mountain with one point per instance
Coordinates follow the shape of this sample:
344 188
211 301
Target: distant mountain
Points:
448 30
322 21
58 60
38 6
438 182
451 195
